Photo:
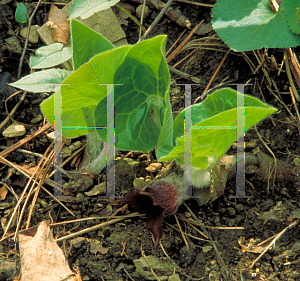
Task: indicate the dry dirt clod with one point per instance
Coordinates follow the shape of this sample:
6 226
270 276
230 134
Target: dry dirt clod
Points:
139 10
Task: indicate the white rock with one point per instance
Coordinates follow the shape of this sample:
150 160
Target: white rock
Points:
14 130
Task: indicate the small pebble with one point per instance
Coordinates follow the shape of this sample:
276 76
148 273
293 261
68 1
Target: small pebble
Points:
14 130
187 214
297 161
139 11
153 167
37 119
13 45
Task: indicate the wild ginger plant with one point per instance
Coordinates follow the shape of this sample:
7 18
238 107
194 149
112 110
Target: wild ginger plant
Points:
137 79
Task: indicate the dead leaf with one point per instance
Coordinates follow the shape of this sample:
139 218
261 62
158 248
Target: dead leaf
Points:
42 259
252 248
58 21
3 192
3 2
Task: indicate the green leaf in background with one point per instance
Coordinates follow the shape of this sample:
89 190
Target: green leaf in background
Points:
21 13
49 56
86 43
218 110
41 81
298 15
82 94
86 8
291 9
142 104
246 25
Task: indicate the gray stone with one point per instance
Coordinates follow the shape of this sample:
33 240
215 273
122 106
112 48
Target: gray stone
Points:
13 45
33 35
37 119
79 197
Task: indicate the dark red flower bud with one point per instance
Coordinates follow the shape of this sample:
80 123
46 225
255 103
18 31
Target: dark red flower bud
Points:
160 198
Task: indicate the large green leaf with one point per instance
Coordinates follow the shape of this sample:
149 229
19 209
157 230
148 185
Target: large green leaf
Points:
214 126
250 24
86 8
49 56
142 103
86 43
41 81
82 93
291 9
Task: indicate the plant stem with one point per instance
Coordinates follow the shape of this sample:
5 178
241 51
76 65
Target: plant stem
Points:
131 16
27 37
155 22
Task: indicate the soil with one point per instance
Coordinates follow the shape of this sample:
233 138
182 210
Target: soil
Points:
270 208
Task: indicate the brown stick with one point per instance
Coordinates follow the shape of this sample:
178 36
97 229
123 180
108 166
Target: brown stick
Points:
186 39
27 38
173 14
155 22
216 72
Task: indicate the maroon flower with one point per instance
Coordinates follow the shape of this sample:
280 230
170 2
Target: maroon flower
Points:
159 199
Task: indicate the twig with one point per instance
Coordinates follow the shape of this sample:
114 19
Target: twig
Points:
131 16
228 275
27 38
14 110
95 227
182 234
173 14
97 218
47 162
128 275
288 72
155 22
10 115
65 162
142 19
184 75
145 257
196 3
293 224
274 168
176 42
25 140
295 67
186 57
19 202
190 221
186 39
24 151
216 72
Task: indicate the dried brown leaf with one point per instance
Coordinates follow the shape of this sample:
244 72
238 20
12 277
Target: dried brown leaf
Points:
59 23
3 192
42 259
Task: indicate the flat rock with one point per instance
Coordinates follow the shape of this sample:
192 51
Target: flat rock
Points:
13 45
14 130
33 35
